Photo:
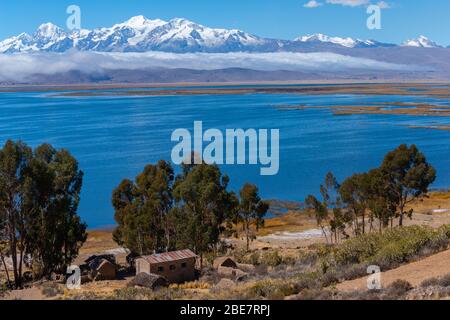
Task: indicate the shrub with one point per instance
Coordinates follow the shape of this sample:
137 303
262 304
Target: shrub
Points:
191 285
350 272
51 289
391 247
315 294
441 282
308 281
362 295
329 278
240 255
398 289
272 289
308 258
271 258
254 258
147 294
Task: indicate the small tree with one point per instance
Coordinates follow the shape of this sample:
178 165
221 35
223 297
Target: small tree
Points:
320 211
353 192
142 209
251 211
379 199
328 211
407 176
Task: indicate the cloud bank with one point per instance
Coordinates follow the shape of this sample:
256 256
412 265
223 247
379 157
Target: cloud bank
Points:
347 3
19 67
350 3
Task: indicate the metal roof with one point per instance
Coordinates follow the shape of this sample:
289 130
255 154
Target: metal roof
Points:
170 256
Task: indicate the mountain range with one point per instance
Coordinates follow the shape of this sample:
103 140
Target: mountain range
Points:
140 34
179 50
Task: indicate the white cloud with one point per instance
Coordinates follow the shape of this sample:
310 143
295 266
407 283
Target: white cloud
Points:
313 4
383 5
349 3
358 3
19 67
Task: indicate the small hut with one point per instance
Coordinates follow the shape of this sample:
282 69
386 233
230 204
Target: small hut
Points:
102 267
146 280
224 262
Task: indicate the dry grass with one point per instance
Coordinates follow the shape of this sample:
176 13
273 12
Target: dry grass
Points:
98 240
290 222
194 285
435 200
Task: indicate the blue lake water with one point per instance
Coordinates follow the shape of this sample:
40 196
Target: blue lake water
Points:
115 137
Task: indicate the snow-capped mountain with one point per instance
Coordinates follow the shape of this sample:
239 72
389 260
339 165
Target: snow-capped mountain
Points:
140 34
137 34
344 42
421 42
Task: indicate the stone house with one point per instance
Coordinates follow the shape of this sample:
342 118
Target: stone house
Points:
175 266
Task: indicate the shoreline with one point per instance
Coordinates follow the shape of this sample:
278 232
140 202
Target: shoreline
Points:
106 86
376 89
298 220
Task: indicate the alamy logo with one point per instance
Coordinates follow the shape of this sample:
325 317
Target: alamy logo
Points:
74 278
74 20
238 146
374 279
374 20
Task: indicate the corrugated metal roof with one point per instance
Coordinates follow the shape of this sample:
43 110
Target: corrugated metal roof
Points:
170 256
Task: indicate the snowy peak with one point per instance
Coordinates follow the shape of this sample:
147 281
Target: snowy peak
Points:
421 42
179 35
49 31
344 42
137 34
318 37
141 22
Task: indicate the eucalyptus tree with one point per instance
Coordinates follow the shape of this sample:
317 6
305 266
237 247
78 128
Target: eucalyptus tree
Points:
142 210
204 205
408 176
251 211
39 196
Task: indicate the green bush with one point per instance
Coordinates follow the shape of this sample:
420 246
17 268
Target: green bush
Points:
392 247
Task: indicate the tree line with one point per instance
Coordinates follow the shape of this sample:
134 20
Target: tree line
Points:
162 211
159 212
373 200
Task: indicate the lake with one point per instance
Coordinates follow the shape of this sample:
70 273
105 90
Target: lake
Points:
114 137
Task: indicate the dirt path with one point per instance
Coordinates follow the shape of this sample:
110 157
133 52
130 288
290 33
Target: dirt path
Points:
415 272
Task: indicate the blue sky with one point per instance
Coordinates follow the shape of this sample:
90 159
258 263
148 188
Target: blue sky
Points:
284 19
